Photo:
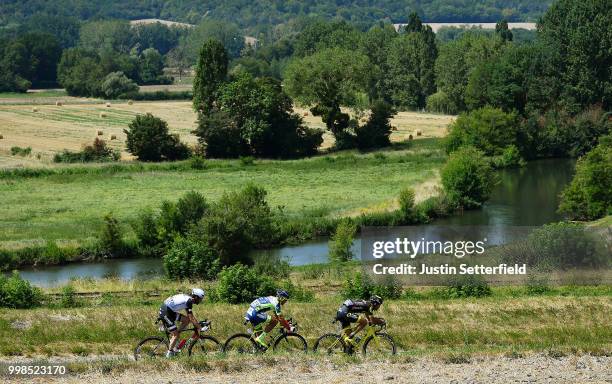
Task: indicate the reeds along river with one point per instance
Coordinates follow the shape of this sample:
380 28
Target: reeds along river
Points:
526 196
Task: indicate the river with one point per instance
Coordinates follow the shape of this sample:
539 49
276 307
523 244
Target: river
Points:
527 196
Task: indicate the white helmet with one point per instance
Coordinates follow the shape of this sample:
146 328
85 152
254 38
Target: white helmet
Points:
198 292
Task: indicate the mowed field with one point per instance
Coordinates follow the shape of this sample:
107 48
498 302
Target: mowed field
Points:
52 128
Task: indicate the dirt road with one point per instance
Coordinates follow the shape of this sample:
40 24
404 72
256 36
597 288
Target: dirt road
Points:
532 369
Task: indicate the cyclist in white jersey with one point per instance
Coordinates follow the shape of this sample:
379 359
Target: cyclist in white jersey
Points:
169 314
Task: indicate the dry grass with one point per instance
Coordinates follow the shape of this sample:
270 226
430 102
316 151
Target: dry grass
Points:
55 128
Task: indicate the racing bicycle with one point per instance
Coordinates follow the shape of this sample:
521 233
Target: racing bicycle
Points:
283 341
375 341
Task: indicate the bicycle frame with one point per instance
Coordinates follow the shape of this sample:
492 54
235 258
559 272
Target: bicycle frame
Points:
281 331
204 324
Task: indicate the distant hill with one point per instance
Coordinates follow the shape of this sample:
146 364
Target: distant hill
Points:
257 14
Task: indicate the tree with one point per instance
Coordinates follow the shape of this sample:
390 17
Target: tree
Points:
227 33
320 34
151 66
467 178
210 74
80 72
106 35
488 129
116 84
149 140
178 59
501 30
42 54
329 79
589 195
341 242
64 28
375 44
375 133
579 31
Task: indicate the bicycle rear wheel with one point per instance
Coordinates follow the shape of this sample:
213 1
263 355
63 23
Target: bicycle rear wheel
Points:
329 344
290 343
380 344
240 343
151 347
205 345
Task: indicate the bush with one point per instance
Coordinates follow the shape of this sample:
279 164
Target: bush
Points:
16 292
97 152
197 162
191 258
272 266
468 286
68 298
375 133
111 238
149 140
360 286
488 129
238 284
157 95
341 242
115 84
510 157
408 211
435 207
467 178
589 195
297 293
21 151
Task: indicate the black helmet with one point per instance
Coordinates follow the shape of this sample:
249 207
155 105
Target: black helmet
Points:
282 293
376 300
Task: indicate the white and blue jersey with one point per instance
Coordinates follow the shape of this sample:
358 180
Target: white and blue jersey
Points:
257 310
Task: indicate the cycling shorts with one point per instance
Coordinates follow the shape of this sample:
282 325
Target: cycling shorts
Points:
257 318
169 317
345 317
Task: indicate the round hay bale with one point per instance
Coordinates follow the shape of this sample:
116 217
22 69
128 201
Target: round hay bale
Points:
100 133
34 109
418 132
130 102
58 103
113 137
107 105
410 137
306 114
102 114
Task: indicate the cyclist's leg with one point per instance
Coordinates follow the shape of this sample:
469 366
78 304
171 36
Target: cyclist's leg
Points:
264 320
168 316
362 321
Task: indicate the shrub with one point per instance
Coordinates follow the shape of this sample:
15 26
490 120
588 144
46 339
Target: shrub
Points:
408 211
97 152
191 258
467 178
115 84
16 292
361 286
488 129
238 284
197 162
435 207
111 238
589 195
375 133
468 286
21 151
68 298
510 157
157 95
272 266
297 293
247 160
149 140
341 242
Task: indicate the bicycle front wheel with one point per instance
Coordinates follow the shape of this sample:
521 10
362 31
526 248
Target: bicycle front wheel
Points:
380 344
329 344
240 343
151 347
289 343
204 346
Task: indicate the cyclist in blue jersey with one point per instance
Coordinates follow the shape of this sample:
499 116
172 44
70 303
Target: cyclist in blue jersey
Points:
258 317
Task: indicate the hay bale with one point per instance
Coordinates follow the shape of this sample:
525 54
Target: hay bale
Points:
410 137
102 114
107 105
306 114
130 102
1 137
113 137
58 103
418 132
100 133
34 109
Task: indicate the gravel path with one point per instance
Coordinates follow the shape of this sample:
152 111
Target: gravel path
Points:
532 369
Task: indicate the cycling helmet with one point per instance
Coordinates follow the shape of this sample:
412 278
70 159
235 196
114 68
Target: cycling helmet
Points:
282 293
198 292
376 300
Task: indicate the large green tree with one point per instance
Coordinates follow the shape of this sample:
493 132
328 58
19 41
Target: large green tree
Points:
210 74
327 80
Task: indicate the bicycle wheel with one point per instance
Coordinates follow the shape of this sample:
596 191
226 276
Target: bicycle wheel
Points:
380 344
205 345
330 344
290 343
151 347
240 343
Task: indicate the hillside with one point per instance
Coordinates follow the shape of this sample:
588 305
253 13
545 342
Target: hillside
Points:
258 13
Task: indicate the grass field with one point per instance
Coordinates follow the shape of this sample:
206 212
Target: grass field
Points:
54 128
572 320
64 206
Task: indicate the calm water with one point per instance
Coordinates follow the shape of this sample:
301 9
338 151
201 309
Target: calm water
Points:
527 196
